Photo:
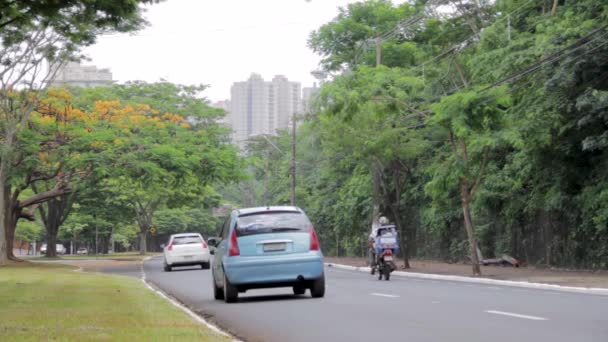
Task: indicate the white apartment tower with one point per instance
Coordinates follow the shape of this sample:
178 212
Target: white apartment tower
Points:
260 107
75 74
308 97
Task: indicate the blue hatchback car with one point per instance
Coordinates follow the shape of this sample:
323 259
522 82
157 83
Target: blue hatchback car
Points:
267 247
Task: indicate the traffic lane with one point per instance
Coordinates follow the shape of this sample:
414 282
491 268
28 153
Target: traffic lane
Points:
260 315
353 310
477 311
557 304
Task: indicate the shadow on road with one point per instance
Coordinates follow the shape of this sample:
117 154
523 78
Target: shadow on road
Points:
270 298
187 269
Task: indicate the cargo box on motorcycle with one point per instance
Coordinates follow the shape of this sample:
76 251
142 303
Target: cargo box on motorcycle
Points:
386 238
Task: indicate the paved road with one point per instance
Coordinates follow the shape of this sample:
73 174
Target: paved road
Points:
357 307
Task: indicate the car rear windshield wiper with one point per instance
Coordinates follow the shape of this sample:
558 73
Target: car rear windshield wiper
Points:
285 229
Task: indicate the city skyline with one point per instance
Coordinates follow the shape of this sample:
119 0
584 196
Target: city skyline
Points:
194 42
257 106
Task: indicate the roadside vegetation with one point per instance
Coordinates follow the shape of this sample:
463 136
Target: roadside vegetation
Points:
124 256
467 123
80 306
107 168
471 124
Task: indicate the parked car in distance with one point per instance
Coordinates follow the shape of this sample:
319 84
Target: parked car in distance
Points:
186 249
82 251
267 247
59 249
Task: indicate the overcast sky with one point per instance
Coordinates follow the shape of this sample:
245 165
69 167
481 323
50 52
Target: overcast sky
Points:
218 42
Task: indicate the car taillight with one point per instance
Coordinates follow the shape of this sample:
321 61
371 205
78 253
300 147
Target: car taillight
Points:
170 247
234 245
203 244
314 240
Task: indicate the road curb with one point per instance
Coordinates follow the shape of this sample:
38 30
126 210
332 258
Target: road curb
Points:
181 306
485 281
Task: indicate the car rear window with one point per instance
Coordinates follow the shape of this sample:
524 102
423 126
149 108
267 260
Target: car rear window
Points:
186 240
272 222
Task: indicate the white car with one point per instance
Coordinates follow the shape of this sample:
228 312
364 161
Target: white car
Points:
60 249
186 249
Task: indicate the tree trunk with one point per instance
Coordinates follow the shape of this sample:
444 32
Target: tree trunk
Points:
51 243
547 238
11 226
11 214
468 223
4 196
143 245
403 241
554 8
57 210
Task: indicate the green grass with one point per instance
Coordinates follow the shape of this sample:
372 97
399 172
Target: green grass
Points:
127 256
52 302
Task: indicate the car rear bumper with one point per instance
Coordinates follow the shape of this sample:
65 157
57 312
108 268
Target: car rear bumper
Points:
274 269
185 260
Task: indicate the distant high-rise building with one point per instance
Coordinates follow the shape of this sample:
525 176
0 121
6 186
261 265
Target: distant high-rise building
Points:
75 74
260 107
308 94
225 105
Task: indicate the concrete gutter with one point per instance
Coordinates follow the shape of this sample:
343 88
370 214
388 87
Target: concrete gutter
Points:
182 307
485 281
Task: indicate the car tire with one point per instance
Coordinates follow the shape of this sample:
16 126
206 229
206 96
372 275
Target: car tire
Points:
218 292
317 290
299 290
205 266
167 268
231 293
387 275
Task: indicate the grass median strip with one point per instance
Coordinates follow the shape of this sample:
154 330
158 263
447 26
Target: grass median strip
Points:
52 302
127 256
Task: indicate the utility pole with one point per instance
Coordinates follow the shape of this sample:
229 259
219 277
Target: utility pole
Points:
266 176
96 235
460 72
375 172
293 160
378 51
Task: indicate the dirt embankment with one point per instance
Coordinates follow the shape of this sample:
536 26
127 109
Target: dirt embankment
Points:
598 279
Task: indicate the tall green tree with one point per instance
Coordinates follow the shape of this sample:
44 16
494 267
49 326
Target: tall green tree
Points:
33 33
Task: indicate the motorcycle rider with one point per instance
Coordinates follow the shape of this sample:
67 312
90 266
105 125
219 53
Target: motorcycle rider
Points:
372 240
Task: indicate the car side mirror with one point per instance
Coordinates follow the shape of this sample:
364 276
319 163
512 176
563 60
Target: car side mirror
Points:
212 250
213 241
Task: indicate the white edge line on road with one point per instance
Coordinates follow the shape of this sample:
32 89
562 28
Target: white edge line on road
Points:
384 295
182 307
487 281
511 314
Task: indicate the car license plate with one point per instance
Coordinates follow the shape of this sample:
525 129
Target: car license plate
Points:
388 258
188 256
274 247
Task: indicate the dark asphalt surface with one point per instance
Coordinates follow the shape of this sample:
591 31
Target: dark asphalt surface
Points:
358 307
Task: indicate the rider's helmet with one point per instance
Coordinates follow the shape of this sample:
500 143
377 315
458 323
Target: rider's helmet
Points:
383 220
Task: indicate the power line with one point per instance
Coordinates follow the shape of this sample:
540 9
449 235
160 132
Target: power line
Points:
551 58
413 20
474 35
554 57
564 64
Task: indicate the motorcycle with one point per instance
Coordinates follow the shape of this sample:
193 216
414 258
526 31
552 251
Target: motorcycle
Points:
385 246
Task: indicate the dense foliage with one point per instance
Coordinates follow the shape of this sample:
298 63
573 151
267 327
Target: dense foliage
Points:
486 122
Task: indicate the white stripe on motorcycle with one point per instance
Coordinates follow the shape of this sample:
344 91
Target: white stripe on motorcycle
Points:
384 295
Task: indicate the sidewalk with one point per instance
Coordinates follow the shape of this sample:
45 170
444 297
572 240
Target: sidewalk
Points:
574 278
